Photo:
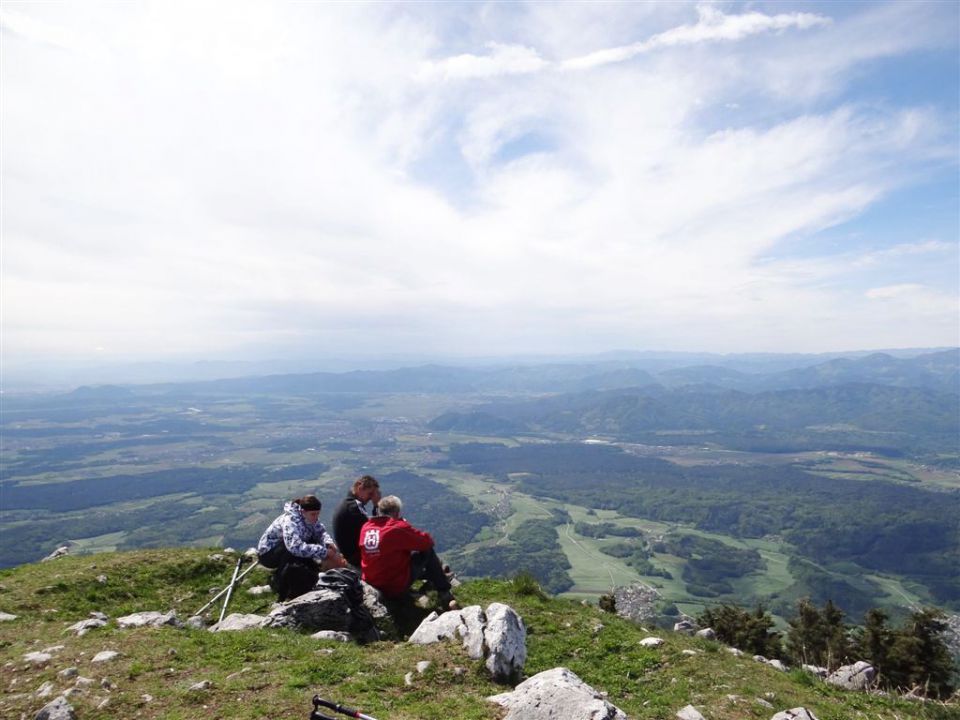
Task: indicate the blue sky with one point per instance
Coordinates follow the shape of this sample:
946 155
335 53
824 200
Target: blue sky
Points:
214 180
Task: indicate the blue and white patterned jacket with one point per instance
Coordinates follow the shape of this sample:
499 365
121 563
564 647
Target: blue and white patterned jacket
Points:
301 538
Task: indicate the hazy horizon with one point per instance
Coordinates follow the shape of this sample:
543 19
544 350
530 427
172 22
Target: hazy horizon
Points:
252 180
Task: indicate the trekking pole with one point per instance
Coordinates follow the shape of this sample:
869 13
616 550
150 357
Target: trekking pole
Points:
233 583
220 594
336 707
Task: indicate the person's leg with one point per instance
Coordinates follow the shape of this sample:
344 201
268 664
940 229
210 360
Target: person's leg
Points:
298 576
426 566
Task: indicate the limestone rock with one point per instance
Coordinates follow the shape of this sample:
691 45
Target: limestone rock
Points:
637 602
67 673
858 676
423 666
38 658
201 686
651 642
323 609
238 621
59 709
7 617
45 690
259 590
84 626
797 713
196 622
105 656
334 635
556 693
820 672
58 553
149 619
506 639
689 713
707 634
497 634
777 664
687 627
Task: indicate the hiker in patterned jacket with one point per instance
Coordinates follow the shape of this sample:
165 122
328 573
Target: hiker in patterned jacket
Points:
297 547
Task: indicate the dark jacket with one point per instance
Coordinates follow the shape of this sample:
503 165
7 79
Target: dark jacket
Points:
348 518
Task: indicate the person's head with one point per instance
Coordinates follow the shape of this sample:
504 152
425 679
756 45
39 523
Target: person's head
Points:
366 488
309 507
391 505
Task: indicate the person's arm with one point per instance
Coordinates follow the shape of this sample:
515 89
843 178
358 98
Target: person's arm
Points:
416 539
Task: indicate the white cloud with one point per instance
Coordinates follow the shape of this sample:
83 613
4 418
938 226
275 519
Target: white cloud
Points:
303 176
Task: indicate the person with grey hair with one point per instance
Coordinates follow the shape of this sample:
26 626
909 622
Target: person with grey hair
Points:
394 555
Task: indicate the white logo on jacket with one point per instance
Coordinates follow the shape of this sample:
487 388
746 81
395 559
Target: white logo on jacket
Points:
371 540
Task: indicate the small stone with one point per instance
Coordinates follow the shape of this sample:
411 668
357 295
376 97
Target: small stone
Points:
764 703
58 709
105 656
200 686
735 652
84 682
408 679
7 617
102 579
259 590
97 615
689 713
146 698
234 676
68 673
71 692
53 649
651 642
422 666
103 703
333 635
459 671
38 658
106 684
689 652
196 622
229 551
45 690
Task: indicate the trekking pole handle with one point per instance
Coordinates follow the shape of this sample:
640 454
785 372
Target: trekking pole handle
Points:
336 707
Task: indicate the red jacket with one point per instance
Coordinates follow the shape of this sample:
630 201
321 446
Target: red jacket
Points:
385 547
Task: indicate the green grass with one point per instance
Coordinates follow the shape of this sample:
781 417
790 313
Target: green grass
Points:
274 673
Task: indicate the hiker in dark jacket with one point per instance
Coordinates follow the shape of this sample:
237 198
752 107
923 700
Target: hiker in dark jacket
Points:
296 546
351 514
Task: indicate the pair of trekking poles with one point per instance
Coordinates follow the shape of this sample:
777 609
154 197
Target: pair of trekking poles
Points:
319 702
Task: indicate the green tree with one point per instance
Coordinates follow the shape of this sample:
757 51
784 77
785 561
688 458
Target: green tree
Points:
919 658
874 641
818 637
748 631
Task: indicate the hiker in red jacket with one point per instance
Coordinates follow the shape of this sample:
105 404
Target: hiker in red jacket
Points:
394 554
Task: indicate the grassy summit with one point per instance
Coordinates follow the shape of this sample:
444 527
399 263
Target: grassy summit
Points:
274 673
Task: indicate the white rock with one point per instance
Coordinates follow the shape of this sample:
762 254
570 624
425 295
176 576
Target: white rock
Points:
777 664
196 622
506 639
706 634
473 622
58 553
53 649
651 642
553 694
146 698
820 672
105 656
797 713
38 658
200 686
59 709
334 635
67 673
423 666
238 621
45 690
435 628
149 619
259 590
858 676
7 617
689 713
102 579
84 682
84 626
250 553
735 651
103 703
764 703
689 652
408 679
686 627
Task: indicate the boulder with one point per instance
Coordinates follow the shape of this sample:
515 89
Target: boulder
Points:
858 676
149 619
238 621
687 627
798 713
707 634
59 709
556 693
820 672
506 639
651 642
38 658
332 635
689 713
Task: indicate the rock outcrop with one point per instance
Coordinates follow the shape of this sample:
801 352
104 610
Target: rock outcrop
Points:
556 693
497 634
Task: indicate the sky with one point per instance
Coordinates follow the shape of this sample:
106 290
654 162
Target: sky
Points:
242 180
